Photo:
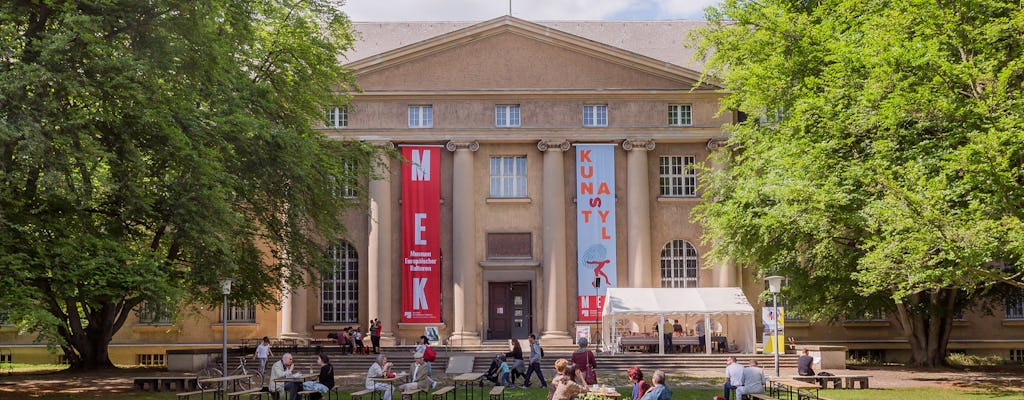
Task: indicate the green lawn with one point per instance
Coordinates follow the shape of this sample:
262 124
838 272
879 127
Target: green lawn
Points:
678 393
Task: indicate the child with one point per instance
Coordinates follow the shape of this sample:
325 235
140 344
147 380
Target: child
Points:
506 374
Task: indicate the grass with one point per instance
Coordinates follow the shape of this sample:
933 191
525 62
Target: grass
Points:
16 367
677 393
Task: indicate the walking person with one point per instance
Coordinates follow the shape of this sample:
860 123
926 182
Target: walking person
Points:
263 353
536 353
518 364
429 356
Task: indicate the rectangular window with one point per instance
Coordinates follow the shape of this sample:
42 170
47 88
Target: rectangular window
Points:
509 245
595 115
506 116
1015 305
679 115
677 176
6 358
337 117
421 116
150 360
340 286
155 314
341 189
1017 355
508 177
243 314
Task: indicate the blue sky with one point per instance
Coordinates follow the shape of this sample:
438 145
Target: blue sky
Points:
537 10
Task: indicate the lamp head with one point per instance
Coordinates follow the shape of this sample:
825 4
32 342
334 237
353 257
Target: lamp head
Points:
225 286
775 283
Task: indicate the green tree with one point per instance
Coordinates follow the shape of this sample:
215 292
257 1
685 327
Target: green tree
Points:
880 167
151 148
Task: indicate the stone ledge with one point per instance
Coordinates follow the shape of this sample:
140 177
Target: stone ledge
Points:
508 200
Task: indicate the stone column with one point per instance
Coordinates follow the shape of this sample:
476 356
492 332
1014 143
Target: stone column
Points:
300 306
378 255
638 213
286 311
465 271
556 326
727 274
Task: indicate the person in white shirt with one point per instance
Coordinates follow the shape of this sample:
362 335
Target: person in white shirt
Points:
379 369
733 376
263 353
753 381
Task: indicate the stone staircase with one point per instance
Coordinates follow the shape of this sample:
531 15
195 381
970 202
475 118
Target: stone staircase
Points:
401 357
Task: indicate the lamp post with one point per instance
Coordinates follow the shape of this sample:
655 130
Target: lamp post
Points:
775 286
225 288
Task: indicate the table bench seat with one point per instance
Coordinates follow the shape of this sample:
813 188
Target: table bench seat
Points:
761 396
188 395
243 393
837 382
497 392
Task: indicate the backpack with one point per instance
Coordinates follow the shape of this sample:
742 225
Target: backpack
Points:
429 354
541 350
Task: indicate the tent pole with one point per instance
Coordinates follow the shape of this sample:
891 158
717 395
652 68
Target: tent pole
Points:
707 334
661 335
611 339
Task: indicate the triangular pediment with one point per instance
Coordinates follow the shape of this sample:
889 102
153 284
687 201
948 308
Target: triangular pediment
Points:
508 53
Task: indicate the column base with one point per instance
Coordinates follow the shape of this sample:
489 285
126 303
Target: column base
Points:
460 339
555 338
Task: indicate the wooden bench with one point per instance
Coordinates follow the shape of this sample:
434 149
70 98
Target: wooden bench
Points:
305 393
188 395
248 393
414 392
359 395
837 381
161 383
761 396
442 393
497 393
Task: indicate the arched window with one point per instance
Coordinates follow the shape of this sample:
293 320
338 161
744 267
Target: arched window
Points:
340 287
679 265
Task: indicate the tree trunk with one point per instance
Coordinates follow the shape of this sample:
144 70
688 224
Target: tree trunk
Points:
87 340
927 320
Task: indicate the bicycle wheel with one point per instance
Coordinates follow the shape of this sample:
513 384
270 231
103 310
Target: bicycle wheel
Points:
207 373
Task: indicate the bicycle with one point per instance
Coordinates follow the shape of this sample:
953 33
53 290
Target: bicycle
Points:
211 371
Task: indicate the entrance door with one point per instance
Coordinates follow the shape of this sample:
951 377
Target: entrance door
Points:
510 310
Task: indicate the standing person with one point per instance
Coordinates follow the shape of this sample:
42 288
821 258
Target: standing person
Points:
418 378
640 386
284 369
324 382
753 381
518 364
429 356
666 330
379 369
659 391
375 335
733 376
504 371
804 363
701 339
263 353
536 353
564 386
585 361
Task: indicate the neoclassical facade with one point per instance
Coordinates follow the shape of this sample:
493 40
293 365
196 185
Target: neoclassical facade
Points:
506 103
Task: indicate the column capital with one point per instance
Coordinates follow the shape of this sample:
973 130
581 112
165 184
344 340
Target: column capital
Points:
715 144
471 145
553 145
638 144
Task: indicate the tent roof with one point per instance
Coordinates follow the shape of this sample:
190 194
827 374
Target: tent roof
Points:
666 301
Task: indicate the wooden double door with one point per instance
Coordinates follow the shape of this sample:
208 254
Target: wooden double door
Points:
510 310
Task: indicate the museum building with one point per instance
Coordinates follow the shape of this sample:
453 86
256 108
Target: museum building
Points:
545 162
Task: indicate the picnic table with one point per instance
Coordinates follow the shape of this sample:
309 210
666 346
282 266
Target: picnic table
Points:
162 383
838 381
791 387
468 380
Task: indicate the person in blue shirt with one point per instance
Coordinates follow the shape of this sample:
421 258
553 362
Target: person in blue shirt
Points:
506 373
659 391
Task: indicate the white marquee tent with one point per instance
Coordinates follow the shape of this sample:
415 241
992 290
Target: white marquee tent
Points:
727 306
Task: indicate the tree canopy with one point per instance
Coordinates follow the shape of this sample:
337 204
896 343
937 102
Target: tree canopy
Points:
880 167
149 149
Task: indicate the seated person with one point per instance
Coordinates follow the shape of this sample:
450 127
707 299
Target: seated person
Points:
324 382
379 369
753 381
284 369
494 370
417 375
804 363
659 391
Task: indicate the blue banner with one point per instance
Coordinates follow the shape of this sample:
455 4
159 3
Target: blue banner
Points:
595 227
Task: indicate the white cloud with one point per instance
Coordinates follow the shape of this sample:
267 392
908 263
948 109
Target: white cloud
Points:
536 10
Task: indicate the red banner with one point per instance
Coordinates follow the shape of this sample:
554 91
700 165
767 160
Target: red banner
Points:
421 234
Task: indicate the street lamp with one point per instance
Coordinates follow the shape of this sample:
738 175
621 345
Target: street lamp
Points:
225 288
775 286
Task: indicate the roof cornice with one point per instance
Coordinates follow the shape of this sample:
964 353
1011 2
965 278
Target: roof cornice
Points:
545 34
